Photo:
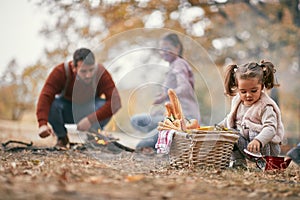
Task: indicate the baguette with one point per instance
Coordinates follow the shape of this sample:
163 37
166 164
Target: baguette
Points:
169 109
168 123
161 124
176 104
177 123
167 127
162 128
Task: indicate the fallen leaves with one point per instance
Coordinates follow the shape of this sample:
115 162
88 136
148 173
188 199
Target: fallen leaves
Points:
57 175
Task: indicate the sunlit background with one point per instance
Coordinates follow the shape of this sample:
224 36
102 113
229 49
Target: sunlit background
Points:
21 22
36 35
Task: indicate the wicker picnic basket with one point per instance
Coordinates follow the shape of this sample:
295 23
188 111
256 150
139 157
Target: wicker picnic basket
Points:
202 149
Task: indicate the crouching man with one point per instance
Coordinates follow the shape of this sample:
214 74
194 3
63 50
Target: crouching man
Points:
79 91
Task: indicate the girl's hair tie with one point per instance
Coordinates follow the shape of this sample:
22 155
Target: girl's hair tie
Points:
235 68
264 68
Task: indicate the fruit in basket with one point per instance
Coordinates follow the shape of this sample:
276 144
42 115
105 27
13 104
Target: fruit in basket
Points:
192 124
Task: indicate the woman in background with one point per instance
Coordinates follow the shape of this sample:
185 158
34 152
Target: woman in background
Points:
181 79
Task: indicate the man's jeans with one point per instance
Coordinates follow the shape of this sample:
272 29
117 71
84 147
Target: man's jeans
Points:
64 112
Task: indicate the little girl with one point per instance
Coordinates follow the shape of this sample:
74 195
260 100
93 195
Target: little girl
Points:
253 112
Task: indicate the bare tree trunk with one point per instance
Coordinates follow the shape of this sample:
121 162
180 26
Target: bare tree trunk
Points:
293 6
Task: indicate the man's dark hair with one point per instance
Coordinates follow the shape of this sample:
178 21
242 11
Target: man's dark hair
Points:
85 55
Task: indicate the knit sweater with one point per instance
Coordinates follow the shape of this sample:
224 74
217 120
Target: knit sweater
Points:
78 92
263 117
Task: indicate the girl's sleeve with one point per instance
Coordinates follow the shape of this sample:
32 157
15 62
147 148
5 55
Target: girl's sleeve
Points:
269 123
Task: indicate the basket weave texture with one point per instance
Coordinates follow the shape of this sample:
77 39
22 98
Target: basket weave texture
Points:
202 150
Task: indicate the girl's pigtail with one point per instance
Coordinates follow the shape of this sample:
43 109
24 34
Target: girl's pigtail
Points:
230 80
268 74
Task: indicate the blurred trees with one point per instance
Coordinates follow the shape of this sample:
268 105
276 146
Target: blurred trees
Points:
250 26
230 31
19 90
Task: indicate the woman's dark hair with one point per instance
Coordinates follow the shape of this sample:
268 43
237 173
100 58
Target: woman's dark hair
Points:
264 72
175 41
85 55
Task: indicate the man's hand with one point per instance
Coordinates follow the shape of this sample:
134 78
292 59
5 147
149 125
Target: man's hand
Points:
84 124
254 146
45 131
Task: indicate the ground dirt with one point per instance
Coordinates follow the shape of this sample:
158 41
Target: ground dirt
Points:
83 172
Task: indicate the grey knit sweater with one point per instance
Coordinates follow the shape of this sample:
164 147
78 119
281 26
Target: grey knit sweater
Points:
261 121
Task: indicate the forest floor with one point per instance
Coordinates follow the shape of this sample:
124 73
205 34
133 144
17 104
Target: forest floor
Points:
42 172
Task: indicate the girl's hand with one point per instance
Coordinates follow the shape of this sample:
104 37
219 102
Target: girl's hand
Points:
254 146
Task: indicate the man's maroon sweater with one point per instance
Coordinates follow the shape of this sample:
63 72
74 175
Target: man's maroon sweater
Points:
78 92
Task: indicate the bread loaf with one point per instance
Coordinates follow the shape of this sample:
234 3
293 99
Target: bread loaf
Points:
169 110
176 104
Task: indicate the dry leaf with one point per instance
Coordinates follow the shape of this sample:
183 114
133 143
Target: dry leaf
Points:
133 178
95 179
13 165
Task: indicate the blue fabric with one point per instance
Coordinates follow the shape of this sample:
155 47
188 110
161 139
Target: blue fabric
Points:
148 142
294 154
145 122
64 112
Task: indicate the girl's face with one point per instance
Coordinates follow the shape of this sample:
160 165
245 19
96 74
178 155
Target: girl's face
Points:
249 90
168 51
